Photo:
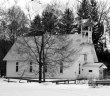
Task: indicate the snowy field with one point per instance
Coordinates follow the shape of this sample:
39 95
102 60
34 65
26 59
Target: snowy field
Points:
50 89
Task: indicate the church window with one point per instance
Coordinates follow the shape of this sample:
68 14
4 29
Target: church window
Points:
85 57
79 68
61 67
90 70
17 66
30 66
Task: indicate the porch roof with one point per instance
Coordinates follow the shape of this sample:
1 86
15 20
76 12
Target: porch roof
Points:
94 65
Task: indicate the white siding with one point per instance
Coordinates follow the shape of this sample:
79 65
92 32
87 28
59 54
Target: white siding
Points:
92 75
11 70
69 73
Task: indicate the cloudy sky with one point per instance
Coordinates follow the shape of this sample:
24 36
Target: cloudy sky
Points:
23 3
36 6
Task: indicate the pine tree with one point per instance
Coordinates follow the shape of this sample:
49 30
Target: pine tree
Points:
36 26
49 21
66 22
83 10
97 28
94 11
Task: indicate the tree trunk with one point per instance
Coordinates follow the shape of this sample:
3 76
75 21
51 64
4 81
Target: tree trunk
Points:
40 72
43 72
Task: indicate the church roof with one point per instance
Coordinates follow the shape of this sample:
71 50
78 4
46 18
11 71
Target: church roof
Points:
77 44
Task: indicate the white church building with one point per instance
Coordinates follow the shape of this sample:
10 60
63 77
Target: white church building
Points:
86 65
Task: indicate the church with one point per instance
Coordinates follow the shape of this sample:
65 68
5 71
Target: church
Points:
86 65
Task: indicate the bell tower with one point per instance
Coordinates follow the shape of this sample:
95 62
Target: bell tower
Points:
86 30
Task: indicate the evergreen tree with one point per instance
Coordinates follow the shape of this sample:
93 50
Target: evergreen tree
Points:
94 11
97 33
36 26
98 27
83 10
66 22
98 30
49 21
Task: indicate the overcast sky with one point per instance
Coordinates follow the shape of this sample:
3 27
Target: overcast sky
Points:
23 3
36 6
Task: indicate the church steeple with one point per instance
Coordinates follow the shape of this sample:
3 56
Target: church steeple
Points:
86 30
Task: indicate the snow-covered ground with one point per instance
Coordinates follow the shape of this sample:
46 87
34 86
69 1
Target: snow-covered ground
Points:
50 89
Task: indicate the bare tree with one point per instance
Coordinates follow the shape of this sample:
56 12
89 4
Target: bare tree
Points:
15 23
48 50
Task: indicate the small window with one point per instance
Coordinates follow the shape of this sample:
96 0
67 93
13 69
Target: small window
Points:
85 57
17 66
90 70
61 67
30 66
79 69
